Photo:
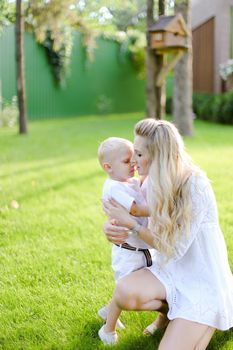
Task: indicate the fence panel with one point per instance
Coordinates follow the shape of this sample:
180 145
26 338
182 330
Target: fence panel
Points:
107 85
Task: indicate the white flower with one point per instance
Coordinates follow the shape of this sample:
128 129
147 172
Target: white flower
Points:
226 69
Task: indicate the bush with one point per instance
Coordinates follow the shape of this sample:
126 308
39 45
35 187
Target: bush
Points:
226 110
169 105
202 105
104 104
218 101
9 113
217 108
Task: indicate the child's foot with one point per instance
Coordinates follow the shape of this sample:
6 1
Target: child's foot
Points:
107 337
103 314
161 322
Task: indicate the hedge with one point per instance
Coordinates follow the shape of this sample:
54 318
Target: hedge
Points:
216 108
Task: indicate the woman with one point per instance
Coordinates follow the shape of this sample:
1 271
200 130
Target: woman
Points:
192 272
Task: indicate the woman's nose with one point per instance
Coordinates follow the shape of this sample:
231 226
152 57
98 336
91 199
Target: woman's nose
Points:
133 161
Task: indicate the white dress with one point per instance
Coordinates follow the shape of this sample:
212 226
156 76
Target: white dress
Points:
198 279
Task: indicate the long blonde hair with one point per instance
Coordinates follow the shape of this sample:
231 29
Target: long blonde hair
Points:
168 187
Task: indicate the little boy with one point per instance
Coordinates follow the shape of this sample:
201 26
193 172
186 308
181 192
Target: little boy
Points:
115 156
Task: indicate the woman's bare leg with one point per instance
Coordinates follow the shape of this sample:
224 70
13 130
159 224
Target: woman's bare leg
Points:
140 290
203 343
131 294
185 335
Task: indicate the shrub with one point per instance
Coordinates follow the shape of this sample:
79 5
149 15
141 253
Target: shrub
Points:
104 104
169 105
226 110
201 105
9 113
217 108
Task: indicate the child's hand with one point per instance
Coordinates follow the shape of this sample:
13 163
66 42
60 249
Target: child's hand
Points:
116 211
139 210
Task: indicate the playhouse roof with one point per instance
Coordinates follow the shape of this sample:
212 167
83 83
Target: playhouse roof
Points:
173 24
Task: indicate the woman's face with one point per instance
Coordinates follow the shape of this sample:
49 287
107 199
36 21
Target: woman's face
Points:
141 155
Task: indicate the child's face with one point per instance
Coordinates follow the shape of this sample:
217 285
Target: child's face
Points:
121 167
141 155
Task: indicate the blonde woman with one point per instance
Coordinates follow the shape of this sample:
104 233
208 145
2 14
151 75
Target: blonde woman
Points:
191 272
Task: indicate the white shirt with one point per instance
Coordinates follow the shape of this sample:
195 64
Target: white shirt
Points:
126 193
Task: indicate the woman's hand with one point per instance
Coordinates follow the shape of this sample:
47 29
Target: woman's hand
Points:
115 234
116 211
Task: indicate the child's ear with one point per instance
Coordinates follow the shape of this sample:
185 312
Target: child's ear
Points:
107 167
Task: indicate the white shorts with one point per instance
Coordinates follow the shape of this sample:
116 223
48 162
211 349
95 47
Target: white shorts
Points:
125 261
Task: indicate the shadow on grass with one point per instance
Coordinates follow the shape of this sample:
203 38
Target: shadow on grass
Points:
37 168
220 339
139 342
89 340
60 186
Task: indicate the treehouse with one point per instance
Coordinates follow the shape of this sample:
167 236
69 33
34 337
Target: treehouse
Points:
169 33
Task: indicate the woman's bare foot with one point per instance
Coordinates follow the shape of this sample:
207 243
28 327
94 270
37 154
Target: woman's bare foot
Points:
160 322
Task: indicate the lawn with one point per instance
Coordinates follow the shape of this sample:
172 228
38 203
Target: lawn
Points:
55 261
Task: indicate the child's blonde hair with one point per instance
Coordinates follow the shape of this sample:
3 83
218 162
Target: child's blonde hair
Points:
168 193
108 148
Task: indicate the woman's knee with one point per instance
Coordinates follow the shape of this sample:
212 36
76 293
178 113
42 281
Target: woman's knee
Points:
125 297
185 335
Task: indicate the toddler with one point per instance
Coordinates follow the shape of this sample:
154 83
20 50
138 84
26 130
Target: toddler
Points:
115 155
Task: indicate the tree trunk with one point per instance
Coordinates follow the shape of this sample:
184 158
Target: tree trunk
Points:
160 92
161 7
19 37
150 66
155 96
183 77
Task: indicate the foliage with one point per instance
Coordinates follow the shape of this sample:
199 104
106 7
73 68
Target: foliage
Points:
226 69
217 108
89 43
202 102
55 262
226 108
132 45
136 42
51 21
53 16
9 113
169 104
7 13
123 21
113 15
59 58
104 104
131 15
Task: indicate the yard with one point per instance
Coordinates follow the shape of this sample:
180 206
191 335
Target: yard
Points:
55 262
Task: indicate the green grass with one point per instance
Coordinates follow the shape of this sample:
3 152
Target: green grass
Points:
54 259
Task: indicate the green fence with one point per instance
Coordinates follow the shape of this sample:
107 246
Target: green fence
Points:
109 84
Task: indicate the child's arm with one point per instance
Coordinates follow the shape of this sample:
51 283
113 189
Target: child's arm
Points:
139 210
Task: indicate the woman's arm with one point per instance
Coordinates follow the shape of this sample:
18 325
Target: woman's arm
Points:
115 234
119 234
146 235
123 218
